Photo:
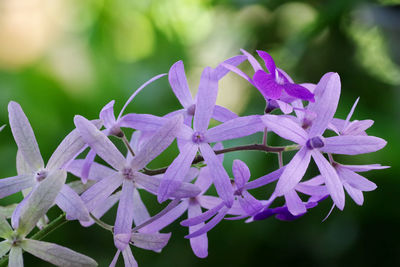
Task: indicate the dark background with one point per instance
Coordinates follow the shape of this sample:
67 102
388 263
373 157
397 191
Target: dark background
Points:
61 58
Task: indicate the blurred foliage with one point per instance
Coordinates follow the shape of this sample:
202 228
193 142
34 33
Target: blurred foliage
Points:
59 58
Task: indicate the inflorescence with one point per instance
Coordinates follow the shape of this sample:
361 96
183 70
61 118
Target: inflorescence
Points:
300 113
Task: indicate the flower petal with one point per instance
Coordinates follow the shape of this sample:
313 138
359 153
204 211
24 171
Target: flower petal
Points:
355 180
96 173
101 209
15 257
11 185
294 171
352 145
5 246
142 122
326 103
332 181
206 98
107 115
153 241
355 194
99 143
140 213
40 200
211 224
364 168
267 86
266 179
253 62
269 62
238 72
24 136
101 190
285 128
129 260
199 244
72 204
223 114
220 71
5 228
157 143
250 204
285 107
200 218
241 173
294 204
179 84
124 219
220 178
298 91
235 128
55 254
176 172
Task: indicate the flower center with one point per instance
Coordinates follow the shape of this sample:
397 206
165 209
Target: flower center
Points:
41 175
198 137
279 80
116 131
191 110
128 174
315 142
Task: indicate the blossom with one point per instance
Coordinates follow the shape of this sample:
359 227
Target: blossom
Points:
199 138
41 198
127 172
31 170
312 144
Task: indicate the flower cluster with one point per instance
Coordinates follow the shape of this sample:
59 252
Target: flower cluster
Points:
301 113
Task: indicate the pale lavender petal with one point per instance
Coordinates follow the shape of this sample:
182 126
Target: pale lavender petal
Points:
221 71
115 259
236 128
249 203
238 72
191 174
101 209
294 203
206 98
253 62
140 213
351 112
312 190
17 211
355 180
199 244
309 86
40 200
100 191
152 183
285 128
87 164
203 216
150 241
124 219
241 173
5 246
167 219
107 115
99 143
55 254
5 228
69 201
355 194
179 84
332 181
138 91
267 86
176 172
15 257
364 168
317 180
298 91
11 185
294 171
357 127
97 171
266 179
209 202
24 136
220 178
285 107
22 166
157 143
325 104
129 260
352 145
223 114
142 122
211 224
269 62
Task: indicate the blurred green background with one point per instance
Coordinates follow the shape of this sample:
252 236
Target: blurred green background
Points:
59 58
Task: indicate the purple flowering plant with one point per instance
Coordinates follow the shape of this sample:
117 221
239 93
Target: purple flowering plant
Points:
303 114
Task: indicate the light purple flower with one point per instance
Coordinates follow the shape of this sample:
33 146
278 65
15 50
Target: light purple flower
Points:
31 169
312 144
199 138
127 172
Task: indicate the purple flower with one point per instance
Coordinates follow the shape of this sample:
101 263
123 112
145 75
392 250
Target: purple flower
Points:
127 173
31 169
199 138
312 144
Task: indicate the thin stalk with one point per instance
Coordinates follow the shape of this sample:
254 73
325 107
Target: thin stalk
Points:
128 146
101 223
